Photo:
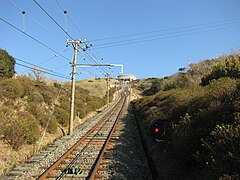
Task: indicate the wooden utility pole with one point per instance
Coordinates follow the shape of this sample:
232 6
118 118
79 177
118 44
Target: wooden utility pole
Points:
107 74
75 44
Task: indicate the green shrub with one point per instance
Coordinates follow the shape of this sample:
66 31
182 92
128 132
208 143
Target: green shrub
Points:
48 96
189 115
230 68
35 96
11 88
223 145
57 85
48 121
65 103
20 129
28 86
7 64
62 116
35 108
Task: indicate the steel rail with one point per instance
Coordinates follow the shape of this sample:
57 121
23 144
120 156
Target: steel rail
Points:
93 173
47 172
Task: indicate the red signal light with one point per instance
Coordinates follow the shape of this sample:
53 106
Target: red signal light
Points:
156 130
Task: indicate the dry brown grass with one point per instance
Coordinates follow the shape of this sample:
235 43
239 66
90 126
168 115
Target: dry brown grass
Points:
97 87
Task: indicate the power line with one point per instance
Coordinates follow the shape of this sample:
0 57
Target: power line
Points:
33 38
164 30
71 19
158 37
51 58
66 13
41 68
94 61
34 20
170 33
42 71
89 72
52 19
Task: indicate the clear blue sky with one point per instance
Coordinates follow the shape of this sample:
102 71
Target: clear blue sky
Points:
171 33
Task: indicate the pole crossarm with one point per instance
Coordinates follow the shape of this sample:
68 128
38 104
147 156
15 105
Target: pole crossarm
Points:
89 65
97 65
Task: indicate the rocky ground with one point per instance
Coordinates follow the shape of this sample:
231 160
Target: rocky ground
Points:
129 160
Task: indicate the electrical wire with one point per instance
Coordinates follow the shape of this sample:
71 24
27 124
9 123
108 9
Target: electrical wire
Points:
42 71
168 29
95 61
71 19
53 19
51 58
36 40
171 35
34 20
183 31
39 67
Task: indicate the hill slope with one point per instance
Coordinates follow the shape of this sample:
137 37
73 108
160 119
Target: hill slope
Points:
199 124
28 108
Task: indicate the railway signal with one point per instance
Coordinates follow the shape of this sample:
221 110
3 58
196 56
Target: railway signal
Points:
157 131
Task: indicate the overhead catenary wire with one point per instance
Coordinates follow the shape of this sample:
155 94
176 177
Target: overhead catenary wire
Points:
167 29
166 36
89 72
42 71
95 59
33 38
34 20
71 19
170 33
55 56
95 62
39 67
53 19
38 41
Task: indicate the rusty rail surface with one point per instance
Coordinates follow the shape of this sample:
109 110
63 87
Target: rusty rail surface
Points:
47 172
103 150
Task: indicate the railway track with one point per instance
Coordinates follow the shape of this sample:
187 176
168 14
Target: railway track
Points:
99 149
83 159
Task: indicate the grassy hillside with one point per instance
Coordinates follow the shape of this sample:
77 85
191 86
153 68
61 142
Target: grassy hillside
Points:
186 77
27 108
199 122
96 86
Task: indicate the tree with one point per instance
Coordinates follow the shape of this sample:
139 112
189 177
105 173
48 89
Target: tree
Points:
7 64
182 69
38 74
230 68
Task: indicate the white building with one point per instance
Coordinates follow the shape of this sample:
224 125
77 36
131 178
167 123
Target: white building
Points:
127 77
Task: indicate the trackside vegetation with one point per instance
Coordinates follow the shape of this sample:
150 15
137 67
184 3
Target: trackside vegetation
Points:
29 107
200 123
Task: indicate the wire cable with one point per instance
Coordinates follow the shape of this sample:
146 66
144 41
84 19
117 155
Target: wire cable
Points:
34 20
36 40
53 19
39 67
164 30
51 58
71 19
42 71
94 61
171 35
